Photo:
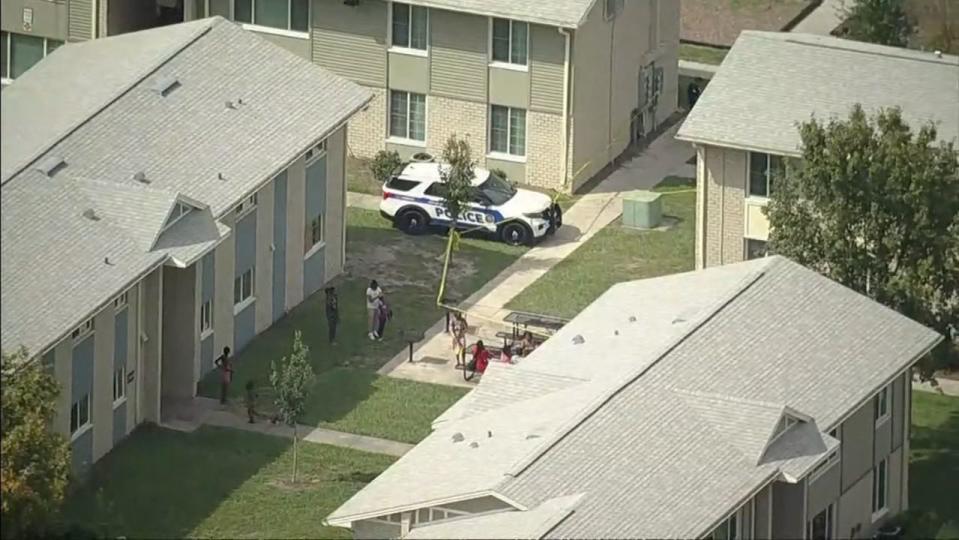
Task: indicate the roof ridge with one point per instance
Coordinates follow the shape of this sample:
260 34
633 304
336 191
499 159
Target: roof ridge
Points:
604 397
134 82
724 397
842 44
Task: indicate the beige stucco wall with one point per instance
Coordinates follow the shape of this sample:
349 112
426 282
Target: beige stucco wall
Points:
102 406
295 222
264 258
855 508
224 258
63 371
335 215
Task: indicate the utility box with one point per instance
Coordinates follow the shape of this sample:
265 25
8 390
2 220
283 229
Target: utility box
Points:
642 210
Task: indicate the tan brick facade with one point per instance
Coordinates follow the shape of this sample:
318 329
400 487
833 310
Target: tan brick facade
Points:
724 174
544 150
367 131
447 116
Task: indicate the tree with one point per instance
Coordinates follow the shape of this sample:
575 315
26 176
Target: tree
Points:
457 173
35 462
383 165
878 21
876 208
291 378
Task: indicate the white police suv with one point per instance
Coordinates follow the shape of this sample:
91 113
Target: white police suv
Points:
413 200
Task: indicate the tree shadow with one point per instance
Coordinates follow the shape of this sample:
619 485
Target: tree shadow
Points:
934 475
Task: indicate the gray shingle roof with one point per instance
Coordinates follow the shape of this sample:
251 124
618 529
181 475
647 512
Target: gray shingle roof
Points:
673 427
509 525
564 13
770 82
96 106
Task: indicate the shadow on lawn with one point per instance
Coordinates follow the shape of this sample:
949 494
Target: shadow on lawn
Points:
933 474
188 477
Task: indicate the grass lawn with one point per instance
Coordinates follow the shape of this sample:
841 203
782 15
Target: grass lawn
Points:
702 54
618 254
348 394
934 467
218 483
359 179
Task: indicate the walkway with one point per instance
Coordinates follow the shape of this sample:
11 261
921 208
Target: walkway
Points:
188 415
593 211
823 20
362 200
948 387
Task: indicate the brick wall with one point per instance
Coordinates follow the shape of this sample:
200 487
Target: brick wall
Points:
725 177
367 129
544 150
447 116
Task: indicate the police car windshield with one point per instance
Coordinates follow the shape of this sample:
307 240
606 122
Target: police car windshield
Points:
498 191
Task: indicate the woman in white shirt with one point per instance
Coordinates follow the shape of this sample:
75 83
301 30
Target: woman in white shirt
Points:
372 293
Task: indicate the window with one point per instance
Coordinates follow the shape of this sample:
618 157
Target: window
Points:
613 8
880 406
243 287
400 184
407 116
821 526
763 170
119 384
784 424
316 152
81 331
283 14
121 301
179 210
825 465
510 41
507 130
206 317
879 489
410 26
728 530
314 233
20 52
80 414
247 205
755 249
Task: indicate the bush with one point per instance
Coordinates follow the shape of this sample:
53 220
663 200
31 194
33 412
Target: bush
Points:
383 164
500 172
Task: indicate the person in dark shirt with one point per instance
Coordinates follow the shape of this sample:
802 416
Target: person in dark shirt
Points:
332 313
225 364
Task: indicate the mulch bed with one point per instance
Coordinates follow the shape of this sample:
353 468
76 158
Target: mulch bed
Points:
719 22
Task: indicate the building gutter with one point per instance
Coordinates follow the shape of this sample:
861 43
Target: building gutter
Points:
567 90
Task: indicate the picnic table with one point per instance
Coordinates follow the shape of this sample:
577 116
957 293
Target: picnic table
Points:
518 319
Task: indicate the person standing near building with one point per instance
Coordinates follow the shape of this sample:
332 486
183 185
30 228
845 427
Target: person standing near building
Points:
225 364
332 313
372 293
382 314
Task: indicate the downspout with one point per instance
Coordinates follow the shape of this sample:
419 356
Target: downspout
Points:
139 355
567 90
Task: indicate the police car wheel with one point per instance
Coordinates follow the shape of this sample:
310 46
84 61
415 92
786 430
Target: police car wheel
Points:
412 221
516 234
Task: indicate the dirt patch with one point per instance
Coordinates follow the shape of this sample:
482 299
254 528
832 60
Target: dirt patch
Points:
719 22
303 483
400 264
937 24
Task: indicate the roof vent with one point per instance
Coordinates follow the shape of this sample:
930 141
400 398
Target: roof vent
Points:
141 177
51 165
106 261
219 176
632 318
615 332
578 340
458 437
678 320
474 444
164 85
91 214
489 434
532 436
230 105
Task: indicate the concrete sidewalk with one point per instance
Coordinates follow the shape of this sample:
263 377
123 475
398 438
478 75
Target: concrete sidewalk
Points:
947 387
433 361
824 19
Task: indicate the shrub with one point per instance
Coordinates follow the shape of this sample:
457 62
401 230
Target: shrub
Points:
383 164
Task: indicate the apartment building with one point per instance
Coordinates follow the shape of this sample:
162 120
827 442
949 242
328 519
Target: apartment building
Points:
745 125
160 202
751 400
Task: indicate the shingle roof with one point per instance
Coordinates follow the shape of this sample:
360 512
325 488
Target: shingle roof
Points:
509 525
770 82
677 431
114 124
564 13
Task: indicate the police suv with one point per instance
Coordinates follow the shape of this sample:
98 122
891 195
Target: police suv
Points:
413 199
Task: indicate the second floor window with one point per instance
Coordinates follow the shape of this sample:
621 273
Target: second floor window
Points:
119 383
880 406
206 317
507 130
80 414
314 233
21 52
510 41
410 26
283 14
763 171
407 115
243 287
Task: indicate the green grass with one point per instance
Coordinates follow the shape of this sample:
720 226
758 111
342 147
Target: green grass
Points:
218 483
702 54
934 467
359 179
617 254
348 394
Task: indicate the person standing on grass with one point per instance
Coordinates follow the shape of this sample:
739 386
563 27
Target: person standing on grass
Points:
225 364
332 313
372 293
382 315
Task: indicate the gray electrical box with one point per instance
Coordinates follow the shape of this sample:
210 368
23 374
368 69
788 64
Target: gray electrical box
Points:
642 210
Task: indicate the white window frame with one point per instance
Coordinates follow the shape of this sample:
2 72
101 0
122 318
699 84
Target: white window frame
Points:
288 31
119 383
122 301
881 406
180 209
738 516
879 511
782 426
769 174
412 51
247 206
312 244
826 465
244 301
831 523
317 151
504 63
206 318
507 156
5 77
407 140
81 428
85 329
